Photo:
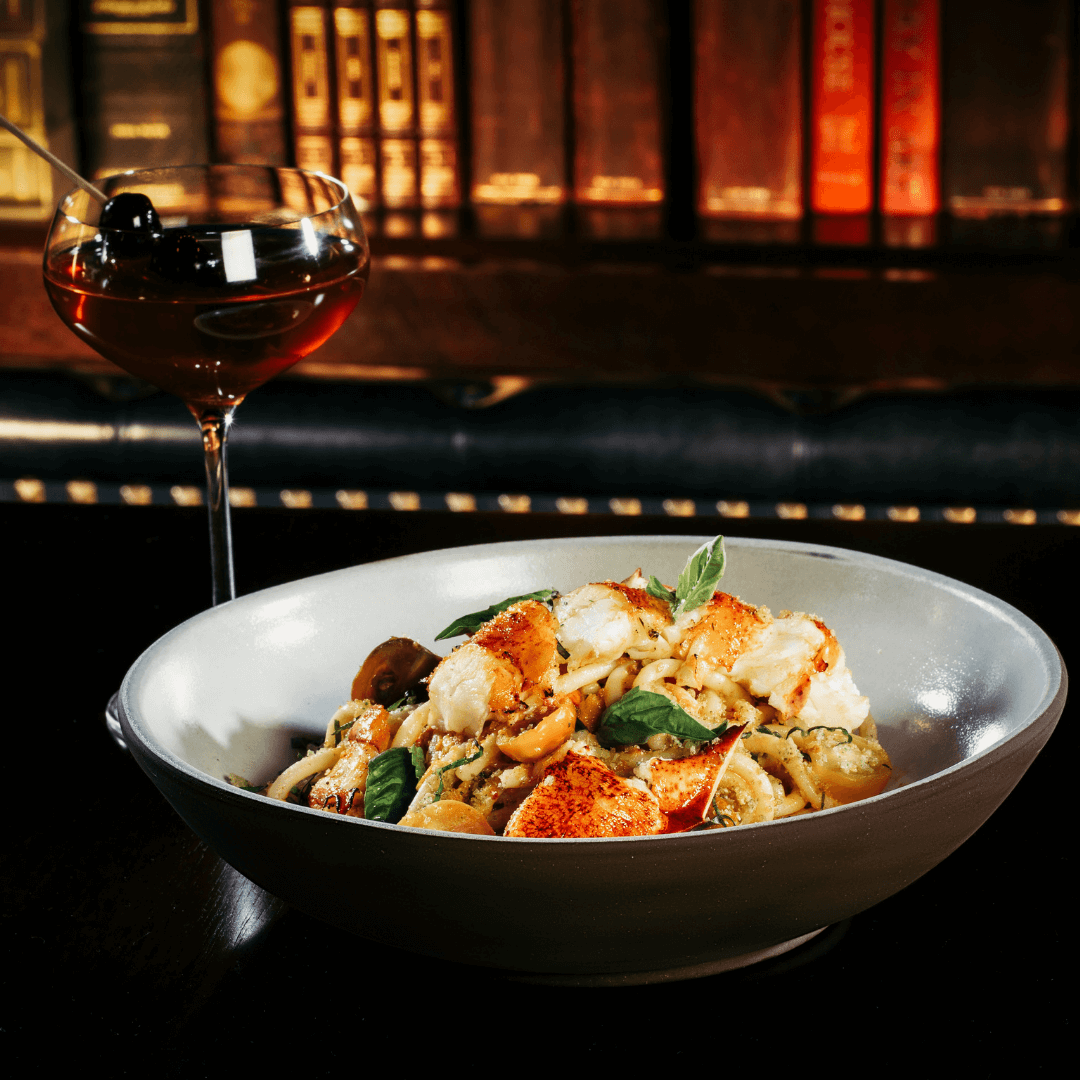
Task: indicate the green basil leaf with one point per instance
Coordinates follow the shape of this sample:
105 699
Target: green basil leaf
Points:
391 784
469 624
641 713
660 591
453 765
700 576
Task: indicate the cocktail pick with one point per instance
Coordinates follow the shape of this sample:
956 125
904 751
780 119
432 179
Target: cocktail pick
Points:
53 160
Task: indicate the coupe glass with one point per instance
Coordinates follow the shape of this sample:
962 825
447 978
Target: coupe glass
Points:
250 270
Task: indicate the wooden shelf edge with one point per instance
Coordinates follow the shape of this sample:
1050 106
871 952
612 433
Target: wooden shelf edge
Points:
514 324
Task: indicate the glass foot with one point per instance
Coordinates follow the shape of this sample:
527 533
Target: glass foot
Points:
112 721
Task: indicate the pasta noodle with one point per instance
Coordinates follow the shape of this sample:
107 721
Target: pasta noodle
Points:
616 709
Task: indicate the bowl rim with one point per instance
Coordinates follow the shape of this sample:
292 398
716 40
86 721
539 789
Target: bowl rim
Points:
1051 702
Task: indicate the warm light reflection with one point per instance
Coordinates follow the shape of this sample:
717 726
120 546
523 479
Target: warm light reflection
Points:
986 738
572 506
82 491
136 495
56 431
296 499
352 500
311 241
460 502
515 504
680 507
733 508
791 511
937 701
184 495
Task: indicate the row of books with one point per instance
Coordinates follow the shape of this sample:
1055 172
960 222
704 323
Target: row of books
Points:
517 107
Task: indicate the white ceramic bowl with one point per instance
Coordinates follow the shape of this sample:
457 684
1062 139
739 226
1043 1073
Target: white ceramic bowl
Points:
964 688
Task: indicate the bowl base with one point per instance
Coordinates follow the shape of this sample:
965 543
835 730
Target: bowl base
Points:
676 974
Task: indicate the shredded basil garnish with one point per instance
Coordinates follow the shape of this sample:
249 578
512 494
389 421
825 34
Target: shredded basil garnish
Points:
339 728
822 727
453 765
469 624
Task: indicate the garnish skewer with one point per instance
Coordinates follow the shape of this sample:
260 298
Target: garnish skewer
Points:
53 160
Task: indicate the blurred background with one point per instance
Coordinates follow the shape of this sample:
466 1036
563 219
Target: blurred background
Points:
701 258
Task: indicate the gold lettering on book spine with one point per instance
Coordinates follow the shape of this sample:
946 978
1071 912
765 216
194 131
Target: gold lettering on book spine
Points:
355 90
311 83
393 59
25 184
435 72
315 153
142 17
438 173
399 173
358 169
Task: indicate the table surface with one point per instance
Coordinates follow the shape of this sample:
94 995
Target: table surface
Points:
124 930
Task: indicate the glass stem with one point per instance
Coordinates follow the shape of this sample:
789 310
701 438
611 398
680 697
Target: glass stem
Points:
215 426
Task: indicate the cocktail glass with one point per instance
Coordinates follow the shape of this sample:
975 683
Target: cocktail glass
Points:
246 270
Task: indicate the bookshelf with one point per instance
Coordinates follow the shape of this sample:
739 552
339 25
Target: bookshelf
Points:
585 301
518 313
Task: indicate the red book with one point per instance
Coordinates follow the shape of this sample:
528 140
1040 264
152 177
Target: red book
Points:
842 93
910 110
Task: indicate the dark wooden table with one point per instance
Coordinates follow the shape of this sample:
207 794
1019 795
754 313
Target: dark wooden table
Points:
124 935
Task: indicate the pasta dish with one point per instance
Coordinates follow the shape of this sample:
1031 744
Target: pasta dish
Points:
622 708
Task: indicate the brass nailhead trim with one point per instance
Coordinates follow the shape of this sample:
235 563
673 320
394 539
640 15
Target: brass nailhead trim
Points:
184 495
737 509
351 500
515 504
572 506
460 502
296 499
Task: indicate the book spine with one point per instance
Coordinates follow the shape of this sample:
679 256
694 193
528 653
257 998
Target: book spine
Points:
842 92
143 99
910 111
748 109
35 93
397 105
1005 107
517 81
617 155
313 134
355 82
440 182
249 103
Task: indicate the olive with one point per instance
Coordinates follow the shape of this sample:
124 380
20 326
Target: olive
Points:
393 669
